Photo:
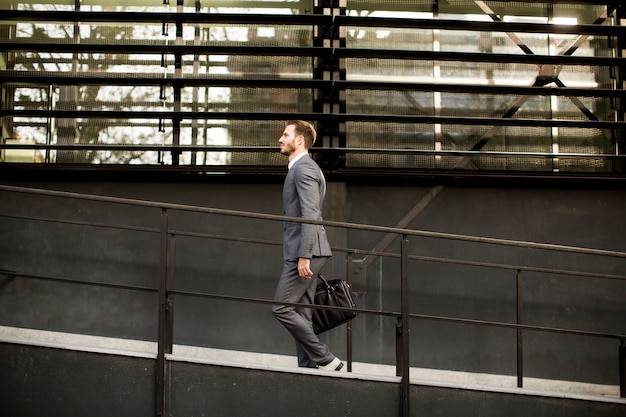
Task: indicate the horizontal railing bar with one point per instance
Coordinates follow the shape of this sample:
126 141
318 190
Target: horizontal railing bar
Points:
515 267
412 257
346 117
165 48
81 223
477 26
184 122
496 58
129 18
155 114
487 121
337 249
306 51
483 264
12 274
398 314
11 77
347 225
223 297
478 88
60 78
305 19
270 149
266 149
279 170
354 172
400 5
271 170
224 237
517 326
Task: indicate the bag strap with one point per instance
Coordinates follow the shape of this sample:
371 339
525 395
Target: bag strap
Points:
324 281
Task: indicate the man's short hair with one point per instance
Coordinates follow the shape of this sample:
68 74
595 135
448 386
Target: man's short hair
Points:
305 129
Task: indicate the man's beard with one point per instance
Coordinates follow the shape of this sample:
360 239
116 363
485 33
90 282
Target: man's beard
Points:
288 149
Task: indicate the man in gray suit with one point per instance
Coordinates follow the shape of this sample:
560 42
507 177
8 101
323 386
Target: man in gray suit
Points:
305 246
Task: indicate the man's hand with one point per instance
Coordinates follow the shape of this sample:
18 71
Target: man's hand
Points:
304 268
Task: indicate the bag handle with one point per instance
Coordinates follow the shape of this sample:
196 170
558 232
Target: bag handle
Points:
324 281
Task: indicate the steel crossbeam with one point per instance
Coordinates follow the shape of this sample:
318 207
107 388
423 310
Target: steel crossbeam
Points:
547 74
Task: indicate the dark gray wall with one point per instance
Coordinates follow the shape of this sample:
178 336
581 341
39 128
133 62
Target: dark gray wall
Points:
588 218
55 382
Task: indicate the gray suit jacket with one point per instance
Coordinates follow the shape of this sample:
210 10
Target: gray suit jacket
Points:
303 196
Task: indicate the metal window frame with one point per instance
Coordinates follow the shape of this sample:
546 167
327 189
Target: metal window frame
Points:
329 83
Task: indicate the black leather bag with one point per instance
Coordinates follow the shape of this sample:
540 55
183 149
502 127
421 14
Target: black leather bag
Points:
332 293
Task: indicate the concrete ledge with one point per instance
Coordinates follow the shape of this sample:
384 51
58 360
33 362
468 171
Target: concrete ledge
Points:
285 363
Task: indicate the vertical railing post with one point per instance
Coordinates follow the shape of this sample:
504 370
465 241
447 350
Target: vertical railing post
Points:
520 338
622 369
162 342
404 326
399 364
169 305
349 272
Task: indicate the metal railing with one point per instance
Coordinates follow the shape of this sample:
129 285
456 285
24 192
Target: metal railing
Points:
166 291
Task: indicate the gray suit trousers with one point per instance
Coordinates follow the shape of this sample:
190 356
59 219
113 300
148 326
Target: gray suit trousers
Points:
297 320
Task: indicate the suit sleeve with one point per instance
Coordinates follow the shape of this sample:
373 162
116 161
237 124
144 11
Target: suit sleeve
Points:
308 188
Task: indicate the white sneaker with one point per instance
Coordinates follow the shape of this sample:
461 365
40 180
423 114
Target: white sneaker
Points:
334 365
